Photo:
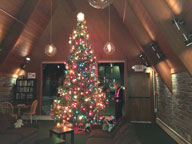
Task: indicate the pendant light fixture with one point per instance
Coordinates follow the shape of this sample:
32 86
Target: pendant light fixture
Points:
50 49
100 4
109 47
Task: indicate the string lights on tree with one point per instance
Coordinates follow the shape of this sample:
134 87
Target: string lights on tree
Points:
81 98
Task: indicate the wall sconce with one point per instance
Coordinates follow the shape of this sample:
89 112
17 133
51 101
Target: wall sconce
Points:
154 46
23 66
26 61
179 24
144 60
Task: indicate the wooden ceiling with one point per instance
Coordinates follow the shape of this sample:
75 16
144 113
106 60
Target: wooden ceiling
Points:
22 25
24 28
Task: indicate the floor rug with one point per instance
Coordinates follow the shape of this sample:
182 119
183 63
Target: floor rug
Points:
79 131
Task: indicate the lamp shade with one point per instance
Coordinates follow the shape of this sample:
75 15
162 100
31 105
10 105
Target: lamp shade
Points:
50 50
109 48
100 4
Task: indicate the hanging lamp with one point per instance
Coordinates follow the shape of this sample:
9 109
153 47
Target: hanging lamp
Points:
50 49
100 4
109 47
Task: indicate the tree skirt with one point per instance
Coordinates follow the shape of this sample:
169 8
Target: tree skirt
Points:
79 131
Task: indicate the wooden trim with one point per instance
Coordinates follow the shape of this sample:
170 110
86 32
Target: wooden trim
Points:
41 81
41 87
111 61
38 117
8 75
52 62
142 122
124 61
126 87
139 97
177 137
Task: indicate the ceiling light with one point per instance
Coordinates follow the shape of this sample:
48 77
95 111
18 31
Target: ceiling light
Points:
100 4
109 47
50 49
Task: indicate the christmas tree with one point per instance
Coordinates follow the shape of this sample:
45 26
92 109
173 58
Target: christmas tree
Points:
81 98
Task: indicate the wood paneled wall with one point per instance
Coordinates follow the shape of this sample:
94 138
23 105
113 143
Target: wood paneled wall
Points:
136 17
162 12
8 9
22 37
126 48
145 21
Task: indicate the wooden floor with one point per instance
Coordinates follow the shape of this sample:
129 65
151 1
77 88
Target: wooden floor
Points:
146 133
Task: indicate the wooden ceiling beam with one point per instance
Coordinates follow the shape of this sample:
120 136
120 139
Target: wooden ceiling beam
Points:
162 67
8 12
143 38
163 13
16 28
29 36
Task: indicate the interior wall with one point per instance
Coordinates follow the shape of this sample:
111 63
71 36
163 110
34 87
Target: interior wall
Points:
6 88
175 109
126 48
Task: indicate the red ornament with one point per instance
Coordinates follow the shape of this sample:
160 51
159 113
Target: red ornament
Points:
74 66
90 113
156 92
82 84
100 118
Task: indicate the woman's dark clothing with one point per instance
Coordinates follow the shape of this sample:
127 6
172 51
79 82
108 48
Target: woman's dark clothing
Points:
118 102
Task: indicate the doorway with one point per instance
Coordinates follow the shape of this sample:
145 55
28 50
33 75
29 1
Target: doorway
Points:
107 74
140 97
53 77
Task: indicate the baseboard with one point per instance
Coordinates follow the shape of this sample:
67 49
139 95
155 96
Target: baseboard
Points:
177 137
38 117
147 122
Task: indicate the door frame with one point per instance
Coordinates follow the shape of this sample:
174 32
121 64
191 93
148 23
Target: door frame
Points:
153 96
125 79
41 81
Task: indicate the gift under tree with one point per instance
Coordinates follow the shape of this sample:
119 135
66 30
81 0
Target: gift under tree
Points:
81 98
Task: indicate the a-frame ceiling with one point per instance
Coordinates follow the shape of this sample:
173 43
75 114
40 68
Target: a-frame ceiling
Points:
24 28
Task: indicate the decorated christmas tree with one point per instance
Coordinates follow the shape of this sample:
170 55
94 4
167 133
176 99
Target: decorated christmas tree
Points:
80 98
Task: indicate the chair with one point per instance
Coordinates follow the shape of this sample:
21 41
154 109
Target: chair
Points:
7 108
32 110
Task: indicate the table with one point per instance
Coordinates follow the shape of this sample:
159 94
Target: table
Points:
62 132
20 106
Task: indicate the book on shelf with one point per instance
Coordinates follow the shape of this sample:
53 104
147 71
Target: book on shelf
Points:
25 89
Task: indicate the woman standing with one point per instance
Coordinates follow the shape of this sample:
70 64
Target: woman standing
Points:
118 100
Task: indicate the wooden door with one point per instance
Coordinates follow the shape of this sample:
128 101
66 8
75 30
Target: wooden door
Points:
140 100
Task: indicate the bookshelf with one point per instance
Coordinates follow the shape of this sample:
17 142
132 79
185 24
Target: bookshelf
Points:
25 90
